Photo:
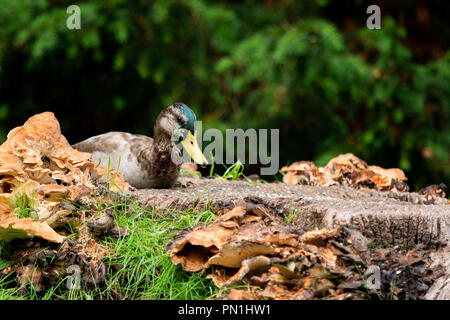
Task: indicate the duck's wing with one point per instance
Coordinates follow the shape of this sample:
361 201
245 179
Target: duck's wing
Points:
119 150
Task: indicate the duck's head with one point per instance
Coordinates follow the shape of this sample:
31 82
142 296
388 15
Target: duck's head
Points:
177 122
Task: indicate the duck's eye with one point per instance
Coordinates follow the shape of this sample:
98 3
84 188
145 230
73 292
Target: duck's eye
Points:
180 139
179 118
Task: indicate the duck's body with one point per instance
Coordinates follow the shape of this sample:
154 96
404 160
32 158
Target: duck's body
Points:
134 156
145 162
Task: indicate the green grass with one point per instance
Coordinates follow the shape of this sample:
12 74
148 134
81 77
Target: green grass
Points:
145 270
233 172
7 290
291 214
24 207
7 293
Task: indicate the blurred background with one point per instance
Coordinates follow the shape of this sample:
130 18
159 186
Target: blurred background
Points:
310 68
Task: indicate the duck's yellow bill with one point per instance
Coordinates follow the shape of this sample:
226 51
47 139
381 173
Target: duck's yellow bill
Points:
191 146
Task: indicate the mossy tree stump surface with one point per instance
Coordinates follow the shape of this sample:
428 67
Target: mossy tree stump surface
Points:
388 219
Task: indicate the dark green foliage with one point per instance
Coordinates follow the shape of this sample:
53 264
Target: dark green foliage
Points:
291 65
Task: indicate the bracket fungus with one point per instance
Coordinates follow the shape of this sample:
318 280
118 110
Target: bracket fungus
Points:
38 169
248 245
346 169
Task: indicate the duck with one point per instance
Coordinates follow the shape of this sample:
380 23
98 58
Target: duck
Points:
149 162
